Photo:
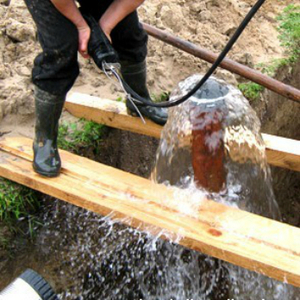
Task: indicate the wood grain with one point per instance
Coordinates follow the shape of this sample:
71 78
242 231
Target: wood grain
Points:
110 113
247 240
281 152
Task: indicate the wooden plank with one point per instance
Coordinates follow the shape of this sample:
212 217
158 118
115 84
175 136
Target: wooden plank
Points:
110 113
247 240
281 152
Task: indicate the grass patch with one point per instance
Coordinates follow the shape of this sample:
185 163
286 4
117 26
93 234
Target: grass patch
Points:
164 96
251 90
272 67
289 35
80 136
121 99
18 208
289 29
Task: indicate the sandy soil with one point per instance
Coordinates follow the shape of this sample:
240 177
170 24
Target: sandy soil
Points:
206 23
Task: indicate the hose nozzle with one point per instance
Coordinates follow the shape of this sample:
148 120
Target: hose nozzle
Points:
99 47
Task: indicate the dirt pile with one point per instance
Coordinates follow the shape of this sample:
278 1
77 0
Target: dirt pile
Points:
206 23
18 48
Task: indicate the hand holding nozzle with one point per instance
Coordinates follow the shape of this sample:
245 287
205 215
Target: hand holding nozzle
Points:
99 46
106 59
105 56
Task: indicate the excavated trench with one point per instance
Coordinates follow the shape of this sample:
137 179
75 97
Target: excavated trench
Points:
54 253
280 116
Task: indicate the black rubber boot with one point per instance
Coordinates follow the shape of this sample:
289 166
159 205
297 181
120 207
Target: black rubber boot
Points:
135 76
48 109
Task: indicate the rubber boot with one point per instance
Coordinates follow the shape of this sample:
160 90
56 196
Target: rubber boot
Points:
48 109
135 76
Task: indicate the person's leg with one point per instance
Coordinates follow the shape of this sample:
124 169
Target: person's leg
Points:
56 68
54 73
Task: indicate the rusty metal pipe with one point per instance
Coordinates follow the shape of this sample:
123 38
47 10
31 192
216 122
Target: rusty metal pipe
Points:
228 64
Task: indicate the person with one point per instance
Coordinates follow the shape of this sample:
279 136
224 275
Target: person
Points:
62 32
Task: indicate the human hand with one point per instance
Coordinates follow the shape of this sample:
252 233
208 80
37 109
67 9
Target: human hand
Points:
83 37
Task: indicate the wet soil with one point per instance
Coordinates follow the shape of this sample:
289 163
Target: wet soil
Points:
281 117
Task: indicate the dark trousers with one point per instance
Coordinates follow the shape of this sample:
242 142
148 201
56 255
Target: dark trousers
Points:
56 68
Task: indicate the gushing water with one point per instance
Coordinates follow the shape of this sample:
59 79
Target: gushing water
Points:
222 117
212 143
97 258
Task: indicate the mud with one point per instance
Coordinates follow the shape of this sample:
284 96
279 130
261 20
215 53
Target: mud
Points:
281 117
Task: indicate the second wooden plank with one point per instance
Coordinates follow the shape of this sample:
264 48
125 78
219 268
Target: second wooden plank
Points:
281 152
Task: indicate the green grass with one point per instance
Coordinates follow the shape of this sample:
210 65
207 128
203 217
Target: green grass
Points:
273 66
289 29
121 99
18 208
251 90
4 242
289 35
76 137
164 96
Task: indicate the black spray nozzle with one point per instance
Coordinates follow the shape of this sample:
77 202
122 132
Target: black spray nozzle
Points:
99 47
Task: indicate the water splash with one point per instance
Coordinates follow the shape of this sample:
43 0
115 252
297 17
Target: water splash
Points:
248 183
97 258
218 126
91 257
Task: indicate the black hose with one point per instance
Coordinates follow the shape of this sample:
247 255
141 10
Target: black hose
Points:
141 101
